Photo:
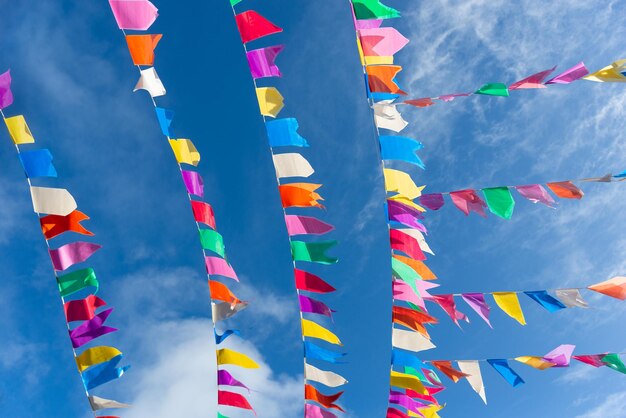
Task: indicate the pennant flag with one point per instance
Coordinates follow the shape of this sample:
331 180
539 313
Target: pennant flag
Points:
19 131
402 358
421 103
292 165
315 352
310 305
411 341
615 288
381 42
381 79
614 362
314 411
141 48
67 255
420 268
312 330
253 26
500 201
502 367
6 95
509 303
394 413
185 152
575 73
235 2
228 356
407 292
193 182
220 338
300 195
233 399
98 403
270 101
55 225
405 243
610 73
96 355
306 225
451 97
571 298
388 117
432 201
149 81
224 378
468 201
37 163
404 272
566 190
534 81
544 299
373 9
313 252
328 401
165 117
219 291
52 201
261 61
76 281
203 213
401 149
212 240
405 401
329 379
418 237
407 381
284 133
446 368
216 266
493 89
560 356
412 319
594 360
223 311
534 362
134 14
400 182
311 283
82 309
395 207
447 303
92 329
536 193
103 373
474 377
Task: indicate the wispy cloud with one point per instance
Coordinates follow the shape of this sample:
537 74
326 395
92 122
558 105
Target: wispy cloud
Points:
612 406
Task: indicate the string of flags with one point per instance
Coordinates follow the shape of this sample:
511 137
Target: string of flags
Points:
308 246
139 15
78 285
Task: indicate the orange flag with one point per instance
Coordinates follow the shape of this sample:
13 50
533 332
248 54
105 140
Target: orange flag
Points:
312 394
300 195
381 79
615 287
219 291
446 368
420 268
53 225
566 190
142 48
412 319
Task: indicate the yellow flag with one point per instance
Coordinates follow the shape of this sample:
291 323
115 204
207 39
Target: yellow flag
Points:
313 330
226 356
18 129
185 152
610 73
407 381
428 412
534 361
360 48
382 60
96 355
401 183
270 101
509 303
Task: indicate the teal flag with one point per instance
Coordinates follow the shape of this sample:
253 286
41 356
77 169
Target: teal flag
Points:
76 281
212 240
313 252
494 89
500 201
373 9
405 273
614 362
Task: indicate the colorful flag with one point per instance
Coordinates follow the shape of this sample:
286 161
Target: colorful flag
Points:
493 89
19 131
82 309
224 378
233 399
310 305
566 190
509 303
76 281
543 298
220 338
615 287
401 149
306 225
313 330
610 73
193 182
560 356
212 240
397 181
502 367
103 373
500 201
534 81
373 9
134 14
261 61
381 79
203 213
314 411
313 252
328 401
468 201
315 352
219 291
270 101
149 81
185 151
291 165
73 253
381 42
141 48
55 225
37 163
284 133
165 117
405 243
311 283
575 73
614 362
432 201
96 355
536 193
476 301
300 195
228 356
407 381
6 95
253 26
216 266
446 368
91 329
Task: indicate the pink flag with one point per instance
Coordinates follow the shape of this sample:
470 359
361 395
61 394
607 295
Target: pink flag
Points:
365 24
382 42
6 95
193 183
532 82
448 304
224 378
560 356
450 97
134 14
261 61
404 292
73 253
476 301
578 71
220 267
300 225
90 330
314 411
536 193
594 360
468 201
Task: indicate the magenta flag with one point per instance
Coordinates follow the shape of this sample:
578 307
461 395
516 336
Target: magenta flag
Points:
92 329
451 97
314 411
226 379
395 207
577 72
432 201
399 398
536 193
404 292
448 304
394 413
560 356
219 267
594 360
193 182
468 201
311 305
382 42
261 61
67 255
134 14
476 301
300 225
6 95
532 82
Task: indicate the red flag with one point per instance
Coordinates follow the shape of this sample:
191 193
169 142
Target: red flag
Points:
406 243
141 48
446 368
254 26
566 190
381 79
394 413
82 309
328 401
311 282
54 225
203 213
412 319
227 398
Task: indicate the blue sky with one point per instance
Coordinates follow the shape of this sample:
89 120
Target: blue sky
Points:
73 81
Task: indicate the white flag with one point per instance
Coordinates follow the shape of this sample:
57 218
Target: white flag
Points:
224 310
101 403
410 340
388 117
150 82
329 379
52 201
475 378
292 165
571 298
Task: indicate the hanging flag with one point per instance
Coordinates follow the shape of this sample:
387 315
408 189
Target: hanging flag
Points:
203 213
395 207
314 411
571 298
165 117
134 14
468 201
560 356
313 252
614 362
509 303
311 283
73 253
534 362
233 399
18 129
223 311
544 299
76 281
493 89
410 340
216 266
406 360
610 73
253 26
284 133
373 9
82 309
594 360
220 338
91 329
407 381
98 403
474 377
149 81
388 117
306 225
407 292
476 301
329 379
219 291
6 95
300 195
185 152
451 97
500 201
447 303
405 401
96 355
193 182
401 149
315 352
37 163
575 73
536 193
212 240
313 330
224 378
446 368
291 165
400 182
412 319
261 61
534 81
502 367
228 356
381 42
421 103
270 101
418 236
103 373
141 48
615 287
328 401
405 243
55 225
310 305
432 201
420 268
394 413
381 79
566 190
52 201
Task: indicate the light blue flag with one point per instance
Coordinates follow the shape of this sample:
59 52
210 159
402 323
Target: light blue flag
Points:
402 358
103 373
165 117
402 149
314 351
543 298
220 338
502 367
284 133
38 163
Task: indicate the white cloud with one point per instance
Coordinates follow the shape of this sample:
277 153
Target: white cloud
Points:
612 406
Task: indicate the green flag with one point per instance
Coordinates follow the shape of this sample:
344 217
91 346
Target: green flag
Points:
77 280
614 362
211 240
373 9
405 273
493 89
232 3
500 201
218 414
312 252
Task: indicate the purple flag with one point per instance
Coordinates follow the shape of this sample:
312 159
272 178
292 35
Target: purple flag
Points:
532 82
468 201
394 207
226 379
451 97
432 201
576 72
69 254
408 220
536 193
399 398
560 356
193 183
311 305
6 95
314 411
92 329
134 14
261 61
476 301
